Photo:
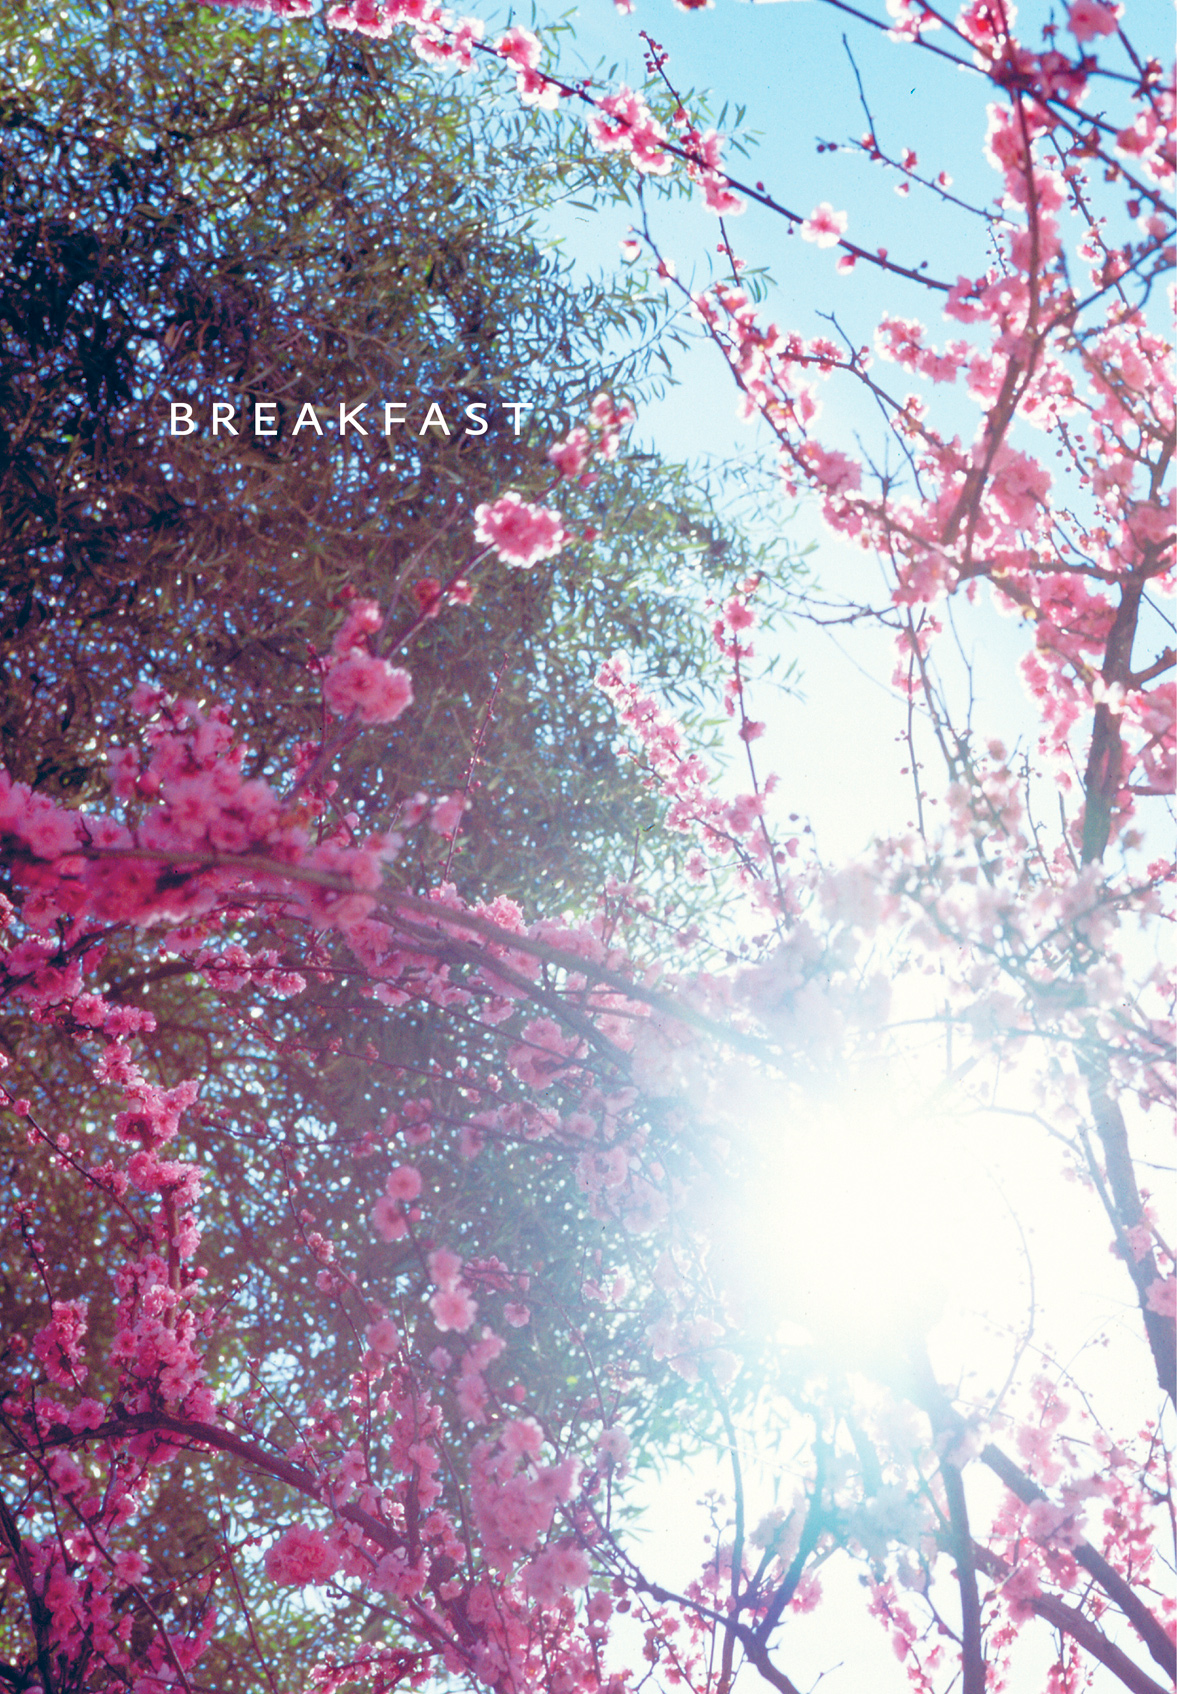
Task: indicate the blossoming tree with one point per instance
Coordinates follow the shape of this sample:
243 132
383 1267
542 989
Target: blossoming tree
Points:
537 1293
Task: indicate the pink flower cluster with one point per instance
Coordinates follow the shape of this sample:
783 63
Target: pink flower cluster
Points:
357 680
59 1345
521 534
389 1217
202 813
606 420
705 166
437 37
515 1497
452 1306
301 1556
684 778
521 49
623 123
556 1572
542 1056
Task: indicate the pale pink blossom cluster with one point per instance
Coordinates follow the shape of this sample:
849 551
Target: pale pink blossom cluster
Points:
555 1572
369 686
543 1054
451 1303
233 968
360 681
521 49
623 123
392 1213
521 534
438 38
684 779
515 1496
705 166
1013 522
601 438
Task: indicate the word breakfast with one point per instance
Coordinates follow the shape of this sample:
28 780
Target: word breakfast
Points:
265 418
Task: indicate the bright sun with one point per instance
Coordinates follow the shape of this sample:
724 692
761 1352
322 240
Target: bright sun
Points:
857 1215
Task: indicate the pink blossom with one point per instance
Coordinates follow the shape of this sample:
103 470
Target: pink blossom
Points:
445 815
738 614
808 1593
540 1057
1089 18
613 1446
624 123
453 1308
824 226
372 688
571 454
383 1337
522 1438
911 17
403 1182
1162 1296
552 1573
388 1220
831 470
59 1344
718 196
301 1556
521 535
145 701
129 1567
445 1267
600 1608
519 47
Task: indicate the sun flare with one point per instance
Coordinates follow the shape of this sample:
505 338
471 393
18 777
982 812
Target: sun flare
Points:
855 1216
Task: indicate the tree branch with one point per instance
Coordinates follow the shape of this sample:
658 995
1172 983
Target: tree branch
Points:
1149 1629
1071 1622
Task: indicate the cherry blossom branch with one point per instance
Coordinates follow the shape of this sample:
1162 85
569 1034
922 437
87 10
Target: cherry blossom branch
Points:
1071 1621
1113 1135
1147 1627
869 145
242 1601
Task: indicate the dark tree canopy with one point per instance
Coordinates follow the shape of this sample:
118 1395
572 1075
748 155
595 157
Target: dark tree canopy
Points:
198 208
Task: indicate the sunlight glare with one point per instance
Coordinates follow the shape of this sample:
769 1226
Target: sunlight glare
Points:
853 1215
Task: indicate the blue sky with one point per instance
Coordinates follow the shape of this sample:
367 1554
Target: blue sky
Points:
787 64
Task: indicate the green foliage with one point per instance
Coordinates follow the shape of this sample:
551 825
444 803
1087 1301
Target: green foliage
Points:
199 209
